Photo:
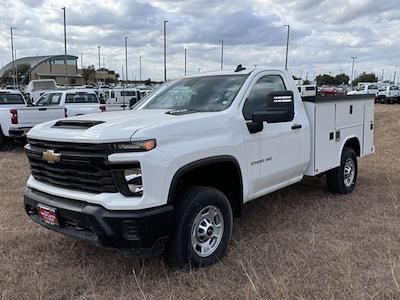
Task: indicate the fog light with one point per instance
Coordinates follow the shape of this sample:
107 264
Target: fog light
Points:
133 178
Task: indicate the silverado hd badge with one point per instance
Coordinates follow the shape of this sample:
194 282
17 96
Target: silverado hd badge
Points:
51 157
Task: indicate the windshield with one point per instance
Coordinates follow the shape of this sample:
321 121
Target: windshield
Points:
81 98
208 93
11 99
360 88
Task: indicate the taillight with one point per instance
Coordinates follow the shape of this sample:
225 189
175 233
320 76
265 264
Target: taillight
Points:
14 116
65 112
103 108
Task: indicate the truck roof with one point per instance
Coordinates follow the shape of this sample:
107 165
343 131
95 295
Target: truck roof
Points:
75 91
10 91
232 72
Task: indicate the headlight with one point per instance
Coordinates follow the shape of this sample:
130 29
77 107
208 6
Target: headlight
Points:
134 146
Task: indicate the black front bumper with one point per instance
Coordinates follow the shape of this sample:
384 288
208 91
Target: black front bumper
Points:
143 232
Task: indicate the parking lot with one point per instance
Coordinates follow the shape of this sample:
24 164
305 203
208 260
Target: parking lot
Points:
300 242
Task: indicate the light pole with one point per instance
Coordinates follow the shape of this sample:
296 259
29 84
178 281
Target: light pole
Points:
16 66
165 50
126 58
81 60
352 69
185 59
12 55
65 48
287 46
140 68
222 54
394 76
383 73
98 51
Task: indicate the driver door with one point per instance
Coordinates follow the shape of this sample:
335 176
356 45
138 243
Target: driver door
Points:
276 155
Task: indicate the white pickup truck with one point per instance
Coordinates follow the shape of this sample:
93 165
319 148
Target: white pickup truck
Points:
74 102
16 118
367 89
171 173
388 94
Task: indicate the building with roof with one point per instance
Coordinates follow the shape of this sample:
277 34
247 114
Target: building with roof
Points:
44 67
105 75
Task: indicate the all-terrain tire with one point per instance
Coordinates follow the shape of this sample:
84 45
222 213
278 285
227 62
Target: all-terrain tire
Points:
343 179
194 202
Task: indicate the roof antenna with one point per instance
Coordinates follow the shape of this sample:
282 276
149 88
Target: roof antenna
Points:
240 68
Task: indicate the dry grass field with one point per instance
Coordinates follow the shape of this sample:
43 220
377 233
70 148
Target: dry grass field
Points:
301 242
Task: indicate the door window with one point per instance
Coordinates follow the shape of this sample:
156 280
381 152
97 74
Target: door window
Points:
49 99
257 99
44 100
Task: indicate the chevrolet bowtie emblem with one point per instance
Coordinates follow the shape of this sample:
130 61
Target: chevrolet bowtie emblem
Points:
50 156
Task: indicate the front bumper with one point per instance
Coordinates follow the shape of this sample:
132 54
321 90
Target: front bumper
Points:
142 232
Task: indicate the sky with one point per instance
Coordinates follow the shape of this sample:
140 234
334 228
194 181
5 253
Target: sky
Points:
324 34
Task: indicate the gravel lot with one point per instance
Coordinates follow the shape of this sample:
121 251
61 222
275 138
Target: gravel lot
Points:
301 242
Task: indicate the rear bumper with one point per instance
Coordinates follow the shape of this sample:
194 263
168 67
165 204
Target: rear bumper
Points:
142 232
18 132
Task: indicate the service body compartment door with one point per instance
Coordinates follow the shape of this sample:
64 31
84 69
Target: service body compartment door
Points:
368 140
326 148
349 113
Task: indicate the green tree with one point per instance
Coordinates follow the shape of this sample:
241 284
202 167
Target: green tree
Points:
89 74
23 70
330 80
109 80
7 76
365 77
342 78
325 80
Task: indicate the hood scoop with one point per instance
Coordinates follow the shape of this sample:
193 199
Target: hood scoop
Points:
76 124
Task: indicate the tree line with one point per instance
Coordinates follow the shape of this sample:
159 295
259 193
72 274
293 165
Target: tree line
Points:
324 79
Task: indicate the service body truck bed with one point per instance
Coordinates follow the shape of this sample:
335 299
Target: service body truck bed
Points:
333 120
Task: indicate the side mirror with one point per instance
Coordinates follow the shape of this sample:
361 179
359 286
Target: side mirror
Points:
280 108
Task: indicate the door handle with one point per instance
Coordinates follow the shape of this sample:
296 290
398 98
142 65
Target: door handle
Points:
43 108
297 126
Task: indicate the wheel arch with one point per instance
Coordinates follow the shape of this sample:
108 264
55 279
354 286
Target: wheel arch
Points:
224 168
352 142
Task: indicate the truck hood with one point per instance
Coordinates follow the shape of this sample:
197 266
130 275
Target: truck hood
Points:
108 127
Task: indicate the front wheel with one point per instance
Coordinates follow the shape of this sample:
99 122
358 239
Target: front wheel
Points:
342 179
203 228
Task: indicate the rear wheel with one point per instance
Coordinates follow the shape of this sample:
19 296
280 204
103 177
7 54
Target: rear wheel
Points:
203 228
342 179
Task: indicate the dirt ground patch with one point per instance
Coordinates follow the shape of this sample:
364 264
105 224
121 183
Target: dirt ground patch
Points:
301 242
